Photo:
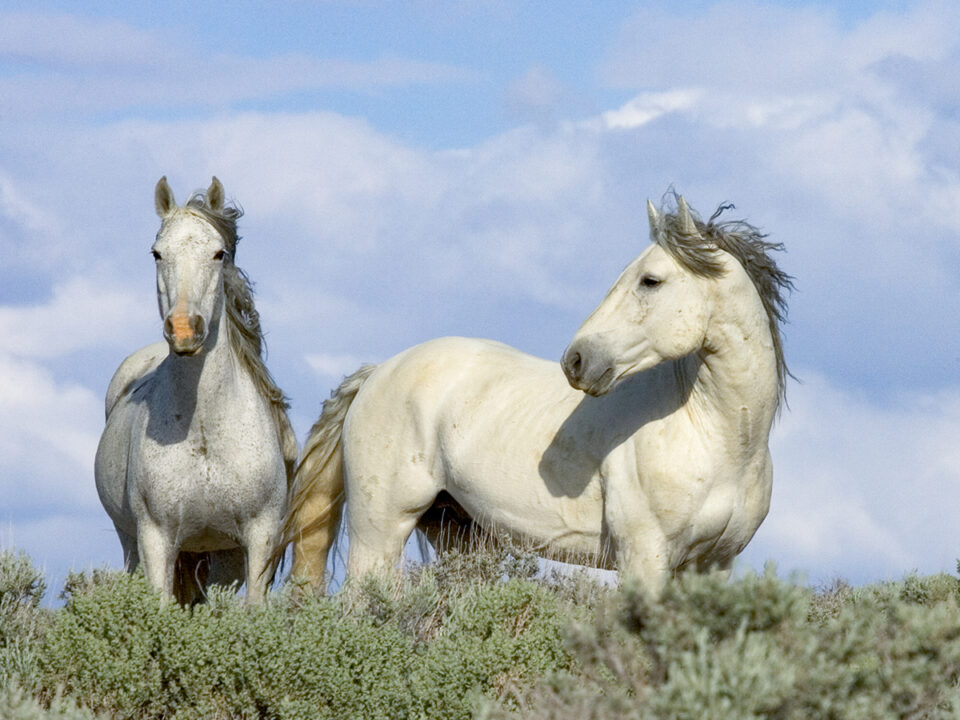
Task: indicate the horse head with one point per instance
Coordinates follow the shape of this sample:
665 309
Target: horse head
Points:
657 310
190 252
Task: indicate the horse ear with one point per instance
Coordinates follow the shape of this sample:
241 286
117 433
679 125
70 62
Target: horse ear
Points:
687 225
163 198
654 220
215 195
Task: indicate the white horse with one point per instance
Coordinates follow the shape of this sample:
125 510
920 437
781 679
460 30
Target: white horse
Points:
195 461
661 463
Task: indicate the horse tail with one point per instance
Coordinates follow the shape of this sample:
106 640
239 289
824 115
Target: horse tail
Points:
316 495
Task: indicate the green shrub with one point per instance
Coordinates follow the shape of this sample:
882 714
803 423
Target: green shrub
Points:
119 650
416 650
763 648
18 704
22 622
21 584
498 637
479 636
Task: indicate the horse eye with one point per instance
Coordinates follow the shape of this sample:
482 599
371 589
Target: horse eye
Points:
650 281
156 255
218 255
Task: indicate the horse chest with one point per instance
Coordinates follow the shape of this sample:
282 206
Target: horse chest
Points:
208 472
705 499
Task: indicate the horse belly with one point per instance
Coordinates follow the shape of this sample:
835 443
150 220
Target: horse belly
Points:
513 496
111 467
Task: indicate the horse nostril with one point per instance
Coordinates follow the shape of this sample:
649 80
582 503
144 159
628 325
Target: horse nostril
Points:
199 326
574 365
168 326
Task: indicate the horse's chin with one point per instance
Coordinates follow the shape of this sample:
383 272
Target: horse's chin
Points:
602 385
188 351
611 379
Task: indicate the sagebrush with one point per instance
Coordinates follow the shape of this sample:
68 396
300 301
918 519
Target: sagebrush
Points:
482 636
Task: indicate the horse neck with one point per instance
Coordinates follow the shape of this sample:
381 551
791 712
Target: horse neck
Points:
213 372
734 377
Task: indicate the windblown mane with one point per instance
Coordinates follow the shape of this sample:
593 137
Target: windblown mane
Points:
243 323
697 253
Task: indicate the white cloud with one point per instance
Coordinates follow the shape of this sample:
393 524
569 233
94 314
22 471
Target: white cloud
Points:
863 488
647 107
66 40
747 46
104 65
535 95
28 231
334 367
843 112
49 430
23 211
82 313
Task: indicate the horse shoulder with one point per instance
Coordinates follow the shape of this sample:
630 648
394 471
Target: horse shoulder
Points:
707 499
132 369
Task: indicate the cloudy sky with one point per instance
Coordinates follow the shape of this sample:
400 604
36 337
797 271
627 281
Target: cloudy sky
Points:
480 167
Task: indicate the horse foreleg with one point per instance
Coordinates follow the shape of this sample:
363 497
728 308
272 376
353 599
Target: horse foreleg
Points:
260 535
157 554
641 549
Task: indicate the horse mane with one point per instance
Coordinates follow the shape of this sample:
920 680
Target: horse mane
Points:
698 254
243 323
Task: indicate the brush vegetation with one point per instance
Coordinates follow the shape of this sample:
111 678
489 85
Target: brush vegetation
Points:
481 635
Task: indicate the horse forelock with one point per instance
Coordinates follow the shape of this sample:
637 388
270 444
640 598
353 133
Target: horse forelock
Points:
749 246
244 333
224 221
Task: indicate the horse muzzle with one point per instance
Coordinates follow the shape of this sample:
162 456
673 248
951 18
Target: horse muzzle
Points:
185 333
584 372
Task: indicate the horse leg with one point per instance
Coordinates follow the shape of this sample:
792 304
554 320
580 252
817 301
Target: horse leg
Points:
158 554
647 563
379 521
639 543
259 536
377 548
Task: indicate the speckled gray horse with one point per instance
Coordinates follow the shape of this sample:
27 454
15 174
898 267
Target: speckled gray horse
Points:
194 462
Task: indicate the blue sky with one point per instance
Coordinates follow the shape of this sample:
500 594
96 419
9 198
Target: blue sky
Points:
480 167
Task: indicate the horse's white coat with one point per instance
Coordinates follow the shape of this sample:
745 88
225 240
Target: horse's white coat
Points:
663 465
190 458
